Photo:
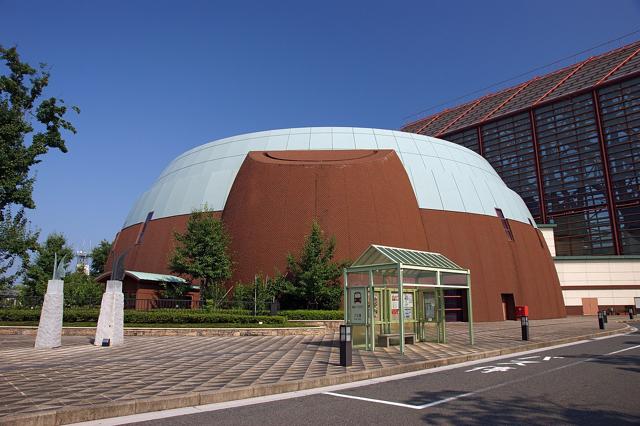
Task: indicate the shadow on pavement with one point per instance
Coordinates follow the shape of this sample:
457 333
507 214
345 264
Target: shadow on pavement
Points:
517 410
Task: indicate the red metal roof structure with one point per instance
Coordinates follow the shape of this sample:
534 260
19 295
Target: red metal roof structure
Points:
584 76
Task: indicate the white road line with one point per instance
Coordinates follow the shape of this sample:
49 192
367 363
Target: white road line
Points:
442 401
400 404
623 350
631 331
379 401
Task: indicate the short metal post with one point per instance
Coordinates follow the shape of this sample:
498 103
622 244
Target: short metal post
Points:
274 307
345 345
630 313
524 322
601 320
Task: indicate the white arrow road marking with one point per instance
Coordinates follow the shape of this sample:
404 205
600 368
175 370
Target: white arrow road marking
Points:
517 362
491 369
498 369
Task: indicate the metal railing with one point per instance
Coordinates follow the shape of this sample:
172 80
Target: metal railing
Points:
150 304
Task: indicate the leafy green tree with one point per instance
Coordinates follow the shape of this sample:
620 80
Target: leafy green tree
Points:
20 106
16 241
40 271
314 275
99 256
174 290
81 289
29 125
262 292
202 252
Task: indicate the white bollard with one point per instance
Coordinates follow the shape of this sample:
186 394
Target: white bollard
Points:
111 319
50 326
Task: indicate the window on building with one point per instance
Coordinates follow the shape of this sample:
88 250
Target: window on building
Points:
508 146
629 220
570 158
583 233
620 113
505 224
467 138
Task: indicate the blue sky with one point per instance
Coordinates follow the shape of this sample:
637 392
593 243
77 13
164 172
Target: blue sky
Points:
156 78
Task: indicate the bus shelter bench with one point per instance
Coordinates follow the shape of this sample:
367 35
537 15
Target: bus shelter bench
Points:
385 339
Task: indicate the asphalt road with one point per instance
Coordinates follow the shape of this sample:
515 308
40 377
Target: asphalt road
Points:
591 383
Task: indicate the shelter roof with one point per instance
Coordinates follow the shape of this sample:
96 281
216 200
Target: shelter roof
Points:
380 255
145 276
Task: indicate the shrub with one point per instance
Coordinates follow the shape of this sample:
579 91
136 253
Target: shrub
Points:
160 316
234 311
19 314
311 315
82 290
170 316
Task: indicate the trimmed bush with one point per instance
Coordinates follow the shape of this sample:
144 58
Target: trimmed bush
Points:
311 315
233 311
19 314
169 316
159 316
80 314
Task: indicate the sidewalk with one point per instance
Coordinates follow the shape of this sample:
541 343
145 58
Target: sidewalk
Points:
79 382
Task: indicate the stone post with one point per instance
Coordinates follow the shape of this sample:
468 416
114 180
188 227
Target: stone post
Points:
111 319
50 326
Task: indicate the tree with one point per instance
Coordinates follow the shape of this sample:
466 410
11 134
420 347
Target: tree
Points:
81 289
16 241
40 271
202 252
99 256
20 105
260 293
174 290
24 113
314 276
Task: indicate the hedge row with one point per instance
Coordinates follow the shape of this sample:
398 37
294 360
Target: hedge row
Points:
310 315
196 317
160 316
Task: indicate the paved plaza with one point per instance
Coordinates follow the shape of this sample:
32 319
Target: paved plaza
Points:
207 369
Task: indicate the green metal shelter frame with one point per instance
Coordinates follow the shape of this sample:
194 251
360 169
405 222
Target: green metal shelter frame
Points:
403 269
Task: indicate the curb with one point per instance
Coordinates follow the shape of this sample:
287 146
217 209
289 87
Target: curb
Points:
137 406
27 330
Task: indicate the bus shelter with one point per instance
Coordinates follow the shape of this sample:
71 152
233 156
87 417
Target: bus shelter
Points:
398 295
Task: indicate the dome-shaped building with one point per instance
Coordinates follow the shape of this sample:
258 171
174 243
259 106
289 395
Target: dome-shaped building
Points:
364 186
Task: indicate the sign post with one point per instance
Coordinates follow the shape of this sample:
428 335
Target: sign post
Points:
358 305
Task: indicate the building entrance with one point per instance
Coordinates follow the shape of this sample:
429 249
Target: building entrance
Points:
508 307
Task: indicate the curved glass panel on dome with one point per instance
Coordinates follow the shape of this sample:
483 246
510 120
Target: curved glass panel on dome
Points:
444 176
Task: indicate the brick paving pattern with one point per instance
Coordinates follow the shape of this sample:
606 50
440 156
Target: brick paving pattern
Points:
79 374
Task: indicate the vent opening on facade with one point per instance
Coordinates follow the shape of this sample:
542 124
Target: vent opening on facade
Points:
505 224
144 228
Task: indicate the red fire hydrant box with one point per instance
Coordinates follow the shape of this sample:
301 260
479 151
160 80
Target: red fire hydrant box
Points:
522 311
